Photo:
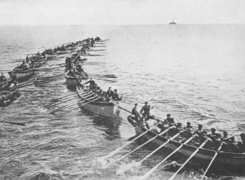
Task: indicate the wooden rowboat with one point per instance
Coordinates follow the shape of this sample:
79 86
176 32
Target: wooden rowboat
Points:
102 108
39 63
22 75
71 81
224 162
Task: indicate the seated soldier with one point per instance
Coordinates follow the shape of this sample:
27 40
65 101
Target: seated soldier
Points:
241 144
169 120
173 131
200 135
109 93
229 143
213 135
115 96
187 133
101 95
188 127
215 140
91 83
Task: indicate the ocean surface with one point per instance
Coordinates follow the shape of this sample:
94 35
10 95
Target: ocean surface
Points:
194 72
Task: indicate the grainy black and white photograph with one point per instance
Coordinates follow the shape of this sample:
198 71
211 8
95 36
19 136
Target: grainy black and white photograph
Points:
122 89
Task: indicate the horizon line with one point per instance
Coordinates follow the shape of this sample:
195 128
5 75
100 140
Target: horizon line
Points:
118 24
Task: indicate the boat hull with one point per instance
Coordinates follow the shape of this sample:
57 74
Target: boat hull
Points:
224 163
106 109
23 75
71 82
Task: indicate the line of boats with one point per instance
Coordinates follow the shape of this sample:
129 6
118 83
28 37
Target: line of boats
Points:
28 68
208 158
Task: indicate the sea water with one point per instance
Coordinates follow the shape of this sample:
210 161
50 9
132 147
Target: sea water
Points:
193 72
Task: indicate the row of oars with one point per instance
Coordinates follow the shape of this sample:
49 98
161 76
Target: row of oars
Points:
68 103
102 159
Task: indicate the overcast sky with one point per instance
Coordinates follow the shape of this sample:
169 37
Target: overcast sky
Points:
120 12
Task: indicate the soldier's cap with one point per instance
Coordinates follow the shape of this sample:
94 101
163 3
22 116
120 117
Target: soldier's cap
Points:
188 123
146 102
136 104
168 115
199 125
225 132
115 89
179 124
213 129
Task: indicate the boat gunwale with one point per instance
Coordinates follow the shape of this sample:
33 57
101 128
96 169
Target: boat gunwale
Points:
204 151
96 103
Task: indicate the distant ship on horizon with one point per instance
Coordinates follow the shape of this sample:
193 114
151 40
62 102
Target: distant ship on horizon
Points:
173 22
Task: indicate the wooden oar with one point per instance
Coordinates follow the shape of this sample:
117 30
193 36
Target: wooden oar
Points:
69 105
44 69
63 97
81 105
162 146
155 167
106 79
104 75
117 150
48 77
15 123
157 135
193 154
212 160
67 100
124 109
25 85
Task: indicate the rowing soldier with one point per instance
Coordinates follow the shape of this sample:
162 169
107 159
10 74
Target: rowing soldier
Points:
169 120
115 96
188 130
241 144
215 137
229 143
91 83
200 135
188 127
109 93
173 131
